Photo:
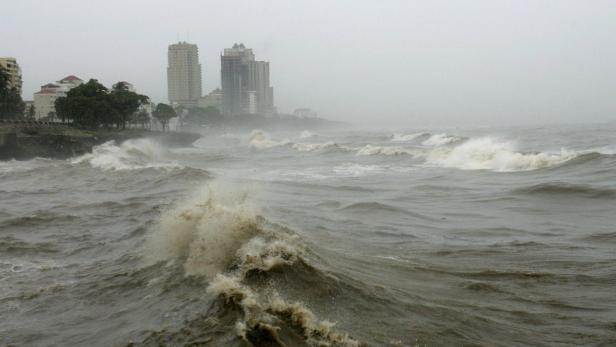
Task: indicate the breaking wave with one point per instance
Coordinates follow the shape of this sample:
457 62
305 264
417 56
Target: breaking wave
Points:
440 140
490 154
219 237
408 137
129 155
317 147
384 150
306 134
259 139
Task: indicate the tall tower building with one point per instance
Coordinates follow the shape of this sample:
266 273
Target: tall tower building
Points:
184 74
11 66
245 82
234 78
259 82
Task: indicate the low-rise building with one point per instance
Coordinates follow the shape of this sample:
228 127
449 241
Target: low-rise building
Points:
45 99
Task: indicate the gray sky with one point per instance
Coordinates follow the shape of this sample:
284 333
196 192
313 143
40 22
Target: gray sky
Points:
381 62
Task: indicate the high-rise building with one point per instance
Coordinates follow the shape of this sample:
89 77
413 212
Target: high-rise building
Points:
259 82
184 74
245 82
11 66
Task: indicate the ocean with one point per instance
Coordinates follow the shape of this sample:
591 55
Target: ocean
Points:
493 236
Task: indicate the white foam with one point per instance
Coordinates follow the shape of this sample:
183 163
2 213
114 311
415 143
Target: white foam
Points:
314 147
357 170
207 229
488 153
259 139
130 155
218 236
439 140
407 137
306 134
384 150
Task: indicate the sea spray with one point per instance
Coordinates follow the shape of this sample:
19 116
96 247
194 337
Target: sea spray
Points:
129 155
260 139
487 153
218 236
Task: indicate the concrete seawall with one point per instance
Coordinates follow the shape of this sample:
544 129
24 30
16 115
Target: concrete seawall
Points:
62 143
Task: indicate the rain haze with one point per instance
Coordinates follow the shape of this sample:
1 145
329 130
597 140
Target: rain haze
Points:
409 63
293 173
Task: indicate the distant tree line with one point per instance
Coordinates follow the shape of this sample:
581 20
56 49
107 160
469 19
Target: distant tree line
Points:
11 104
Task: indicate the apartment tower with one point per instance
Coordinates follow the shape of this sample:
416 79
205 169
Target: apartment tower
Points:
184 74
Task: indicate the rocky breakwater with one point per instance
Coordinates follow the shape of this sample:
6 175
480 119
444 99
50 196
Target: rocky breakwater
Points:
60 142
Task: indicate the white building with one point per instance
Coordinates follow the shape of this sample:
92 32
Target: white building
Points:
44 100
184 74
11 66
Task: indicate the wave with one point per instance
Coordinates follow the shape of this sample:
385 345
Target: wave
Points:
408 137
129 155
440 140
384 150
259 139
306 134
560 188
487 153
317 147
217 235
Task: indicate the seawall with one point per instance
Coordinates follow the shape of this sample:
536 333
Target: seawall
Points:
62 143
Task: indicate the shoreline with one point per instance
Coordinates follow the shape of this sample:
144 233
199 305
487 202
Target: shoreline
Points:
62 143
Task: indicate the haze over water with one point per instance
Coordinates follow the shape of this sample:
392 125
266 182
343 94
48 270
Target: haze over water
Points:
490 236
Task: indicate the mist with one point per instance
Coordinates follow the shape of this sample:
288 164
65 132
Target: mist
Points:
394 63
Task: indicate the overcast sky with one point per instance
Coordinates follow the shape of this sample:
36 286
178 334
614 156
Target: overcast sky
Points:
390 62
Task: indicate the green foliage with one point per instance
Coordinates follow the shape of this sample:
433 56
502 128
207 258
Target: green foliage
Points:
11 104
31 112
92 105
142 117
125 102
163 113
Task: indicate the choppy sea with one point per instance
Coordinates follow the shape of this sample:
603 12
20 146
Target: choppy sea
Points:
405 237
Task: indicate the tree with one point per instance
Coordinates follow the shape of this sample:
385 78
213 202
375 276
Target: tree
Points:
11 104
163 113
88 105
92 105
141 117
32 112
125 102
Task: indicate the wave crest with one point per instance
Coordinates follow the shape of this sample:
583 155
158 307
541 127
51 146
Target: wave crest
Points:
490 154
129 155
218 235
440 140
259 139
384 150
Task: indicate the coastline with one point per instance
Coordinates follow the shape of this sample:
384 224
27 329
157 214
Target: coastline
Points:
65 142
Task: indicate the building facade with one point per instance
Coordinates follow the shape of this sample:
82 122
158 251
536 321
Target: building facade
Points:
245 82
14 71
45 99
184 74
